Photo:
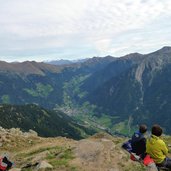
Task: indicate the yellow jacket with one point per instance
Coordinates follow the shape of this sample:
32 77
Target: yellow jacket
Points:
156 148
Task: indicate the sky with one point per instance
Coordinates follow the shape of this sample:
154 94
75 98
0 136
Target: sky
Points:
74 29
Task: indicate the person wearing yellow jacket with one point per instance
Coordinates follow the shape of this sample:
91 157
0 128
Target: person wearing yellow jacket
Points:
157 148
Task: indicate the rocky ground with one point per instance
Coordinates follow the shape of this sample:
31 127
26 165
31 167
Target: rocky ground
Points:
100 152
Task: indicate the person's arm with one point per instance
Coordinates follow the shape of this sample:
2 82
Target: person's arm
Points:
144 144
164 148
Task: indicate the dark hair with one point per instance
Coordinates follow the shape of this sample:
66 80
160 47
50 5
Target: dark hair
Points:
156 130
142 128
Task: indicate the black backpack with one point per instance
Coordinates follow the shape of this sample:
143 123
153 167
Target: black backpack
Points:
5 164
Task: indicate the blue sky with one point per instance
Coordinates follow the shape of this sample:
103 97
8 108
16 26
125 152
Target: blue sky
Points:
74 29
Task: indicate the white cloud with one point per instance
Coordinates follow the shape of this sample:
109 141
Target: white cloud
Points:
60 27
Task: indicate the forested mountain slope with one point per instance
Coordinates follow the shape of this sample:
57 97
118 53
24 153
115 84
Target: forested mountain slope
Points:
107 91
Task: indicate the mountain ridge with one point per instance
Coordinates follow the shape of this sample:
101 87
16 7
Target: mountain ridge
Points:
43 121
28 67
109 92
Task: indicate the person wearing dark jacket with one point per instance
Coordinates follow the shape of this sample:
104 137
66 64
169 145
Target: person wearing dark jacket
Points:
138 141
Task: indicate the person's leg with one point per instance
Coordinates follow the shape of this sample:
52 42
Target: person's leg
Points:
168 163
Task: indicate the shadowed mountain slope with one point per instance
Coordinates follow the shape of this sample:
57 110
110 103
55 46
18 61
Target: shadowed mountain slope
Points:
126 91
44 122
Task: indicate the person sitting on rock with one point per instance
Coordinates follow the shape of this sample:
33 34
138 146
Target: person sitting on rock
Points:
157 148
138 141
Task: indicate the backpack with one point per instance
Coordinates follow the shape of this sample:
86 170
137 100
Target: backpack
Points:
5 163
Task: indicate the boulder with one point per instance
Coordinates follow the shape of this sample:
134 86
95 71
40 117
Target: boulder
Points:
88 150
43 165
152 167
33 133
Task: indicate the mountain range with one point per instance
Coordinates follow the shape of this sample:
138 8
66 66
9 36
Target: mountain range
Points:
65 62
114 93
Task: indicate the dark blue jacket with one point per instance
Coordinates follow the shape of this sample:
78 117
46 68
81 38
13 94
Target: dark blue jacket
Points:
138 143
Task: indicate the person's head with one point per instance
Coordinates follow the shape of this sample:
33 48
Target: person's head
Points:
156 130
142 128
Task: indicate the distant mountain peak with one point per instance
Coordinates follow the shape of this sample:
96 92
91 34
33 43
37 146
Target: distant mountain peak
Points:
27 68
60 62
66 62
165 49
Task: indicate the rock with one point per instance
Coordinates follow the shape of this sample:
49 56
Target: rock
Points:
102 135
41 156
113 169
2 130
43 165
33 133
15 169
15 131
30 141
152 167
3 138
88 150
